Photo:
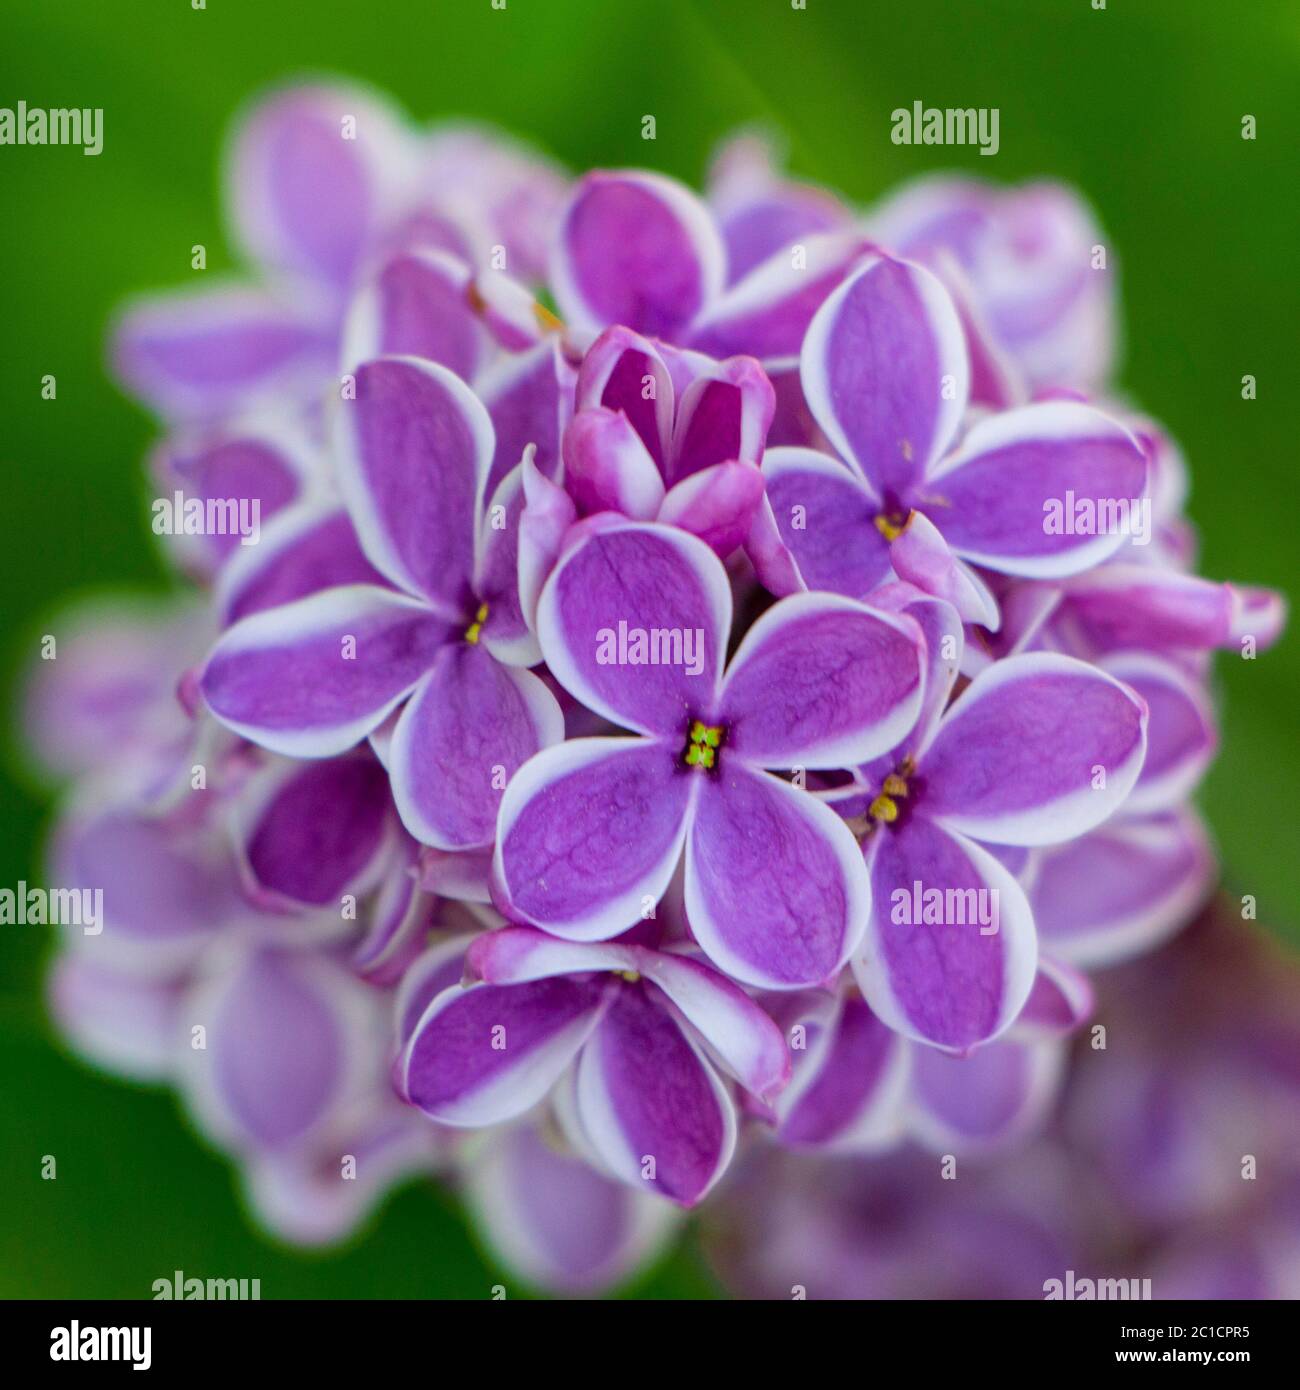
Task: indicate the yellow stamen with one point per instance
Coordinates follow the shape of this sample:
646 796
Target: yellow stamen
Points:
884 808
473 631
546 320
895 786
889 529
631 976
703 742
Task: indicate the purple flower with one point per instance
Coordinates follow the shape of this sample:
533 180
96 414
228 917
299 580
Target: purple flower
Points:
554 1220
322 182
648 1028
1037 749
312 833
886 373
758 212
445 646
642 251
1126 886
669 436
1028 259
860 1087
1123 604
591 831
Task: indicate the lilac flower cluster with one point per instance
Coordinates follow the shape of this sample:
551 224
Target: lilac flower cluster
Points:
658 713
1170 1170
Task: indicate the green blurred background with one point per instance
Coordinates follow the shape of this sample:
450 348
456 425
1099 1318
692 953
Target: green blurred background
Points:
1139 104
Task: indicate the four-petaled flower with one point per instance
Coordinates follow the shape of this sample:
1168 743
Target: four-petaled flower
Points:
446 645
886 374
591 831
649 1028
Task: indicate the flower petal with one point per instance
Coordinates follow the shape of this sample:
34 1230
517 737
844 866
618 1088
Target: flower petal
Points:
1181 734
736 1029
633 622
312 678
1061 1001
717 504
636 249
304 550
821 681
529 396
607 468
724 414
1123 889
625 372
285 1048
416 305
547 515
944 640
1037 749
825 513
1044 491
250 474
767 313
556 1222
649 1104
466 730
885 371
126 1024
505 632
412 455
995 1094
959 980
589 835
199 356
312 178
489 1052
1136 605
849 1083
759 211
922 556
299 1195
311 832
433 972
775 892
166 895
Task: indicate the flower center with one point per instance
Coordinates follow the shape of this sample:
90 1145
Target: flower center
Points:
474 630
702 744
886 808
892 524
